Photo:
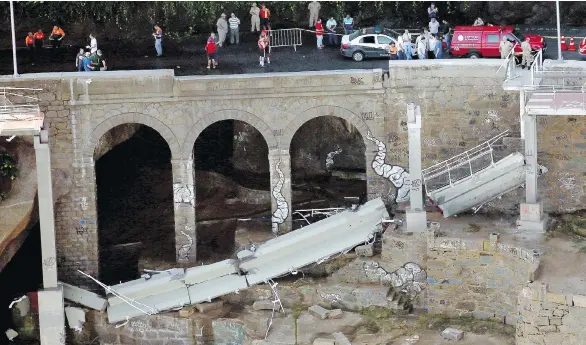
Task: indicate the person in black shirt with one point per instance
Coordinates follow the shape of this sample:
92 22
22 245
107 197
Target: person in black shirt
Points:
447 33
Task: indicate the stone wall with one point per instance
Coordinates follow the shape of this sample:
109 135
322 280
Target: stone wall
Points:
481 278
164 329
550 319
463 277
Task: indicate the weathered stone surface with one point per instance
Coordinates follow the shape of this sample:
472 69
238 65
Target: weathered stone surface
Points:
366 250
579 301
452 334
205 307
263 305
323 341
335 314
353 298
318 311
340 339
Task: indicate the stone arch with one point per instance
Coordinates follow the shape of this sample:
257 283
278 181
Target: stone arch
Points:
324 110
116 120
227 114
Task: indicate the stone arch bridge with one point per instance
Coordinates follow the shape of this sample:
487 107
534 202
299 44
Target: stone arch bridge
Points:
179 109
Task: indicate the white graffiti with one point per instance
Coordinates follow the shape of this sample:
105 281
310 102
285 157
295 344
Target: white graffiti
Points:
410 278
395 174
494 115
282 211
330 158
83 203
430 142
183 252
183 194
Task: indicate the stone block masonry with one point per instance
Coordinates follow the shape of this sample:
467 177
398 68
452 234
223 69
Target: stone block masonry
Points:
549 318
480 278
461 105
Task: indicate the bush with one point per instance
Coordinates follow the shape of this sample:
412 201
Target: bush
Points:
8 172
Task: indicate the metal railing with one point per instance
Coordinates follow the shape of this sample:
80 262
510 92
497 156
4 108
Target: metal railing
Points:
510 63
17 112
536 66
559 93
309 213
285 38
461 166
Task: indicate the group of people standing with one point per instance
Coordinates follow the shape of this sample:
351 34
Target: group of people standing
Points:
92 60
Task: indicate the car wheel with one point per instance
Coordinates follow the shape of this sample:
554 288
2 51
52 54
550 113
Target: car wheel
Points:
358 56
474 55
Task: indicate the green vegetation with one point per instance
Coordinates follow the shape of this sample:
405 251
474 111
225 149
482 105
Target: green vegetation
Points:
465 323
296 311
8 172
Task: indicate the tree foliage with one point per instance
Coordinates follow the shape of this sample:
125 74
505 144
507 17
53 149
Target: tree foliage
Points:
185 18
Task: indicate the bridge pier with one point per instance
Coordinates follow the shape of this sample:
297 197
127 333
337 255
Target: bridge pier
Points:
184 207
416 216
281 196
531 216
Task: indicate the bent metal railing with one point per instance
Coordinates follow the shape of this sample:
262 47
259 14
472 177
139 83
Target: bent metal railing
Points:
461 166
285 38
17 112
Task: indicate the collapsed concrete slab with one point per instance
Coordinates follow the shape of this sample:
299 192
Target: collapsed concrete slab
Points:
75 318
83 297
277 257
161 292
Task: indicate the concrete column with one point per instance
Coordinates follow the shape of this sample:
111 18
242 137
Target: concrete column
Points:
531 174
281 196
184 205
522 112
46 213
416 216
531 216
51 316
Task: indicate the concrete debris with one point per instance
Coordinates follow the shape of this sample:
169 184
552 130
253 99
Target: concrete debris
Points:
366 250
177 288
257 342
340 339
75 318
186 312
318 311
11 334
411 340
264 304
205 307
322 341
335 314
23 305
83 297
452 334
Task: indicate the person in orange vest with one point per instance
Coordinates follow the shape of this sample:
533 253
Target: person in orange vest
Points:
39 37
319 33
30 45
265 15
56 36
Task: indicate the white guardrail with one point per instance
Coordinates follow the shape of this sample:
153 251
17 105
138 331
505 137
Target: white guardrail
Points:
12 112
461 166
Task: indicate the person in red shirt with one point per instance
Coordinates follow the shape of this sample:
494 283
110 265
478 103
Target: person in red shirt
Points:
319 33
265 15
30 45
263 45
211 51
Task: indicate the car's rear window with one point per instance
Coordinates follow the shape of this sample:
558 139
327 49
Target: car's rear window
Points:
354 35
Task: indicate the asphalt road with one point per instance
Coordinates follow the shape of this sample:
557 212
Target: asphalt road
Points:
190 59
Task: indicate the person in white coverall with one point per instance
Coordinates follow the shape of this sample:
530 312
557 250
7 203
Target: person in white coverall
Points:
254 18
222 26
527 59
314 8
505 47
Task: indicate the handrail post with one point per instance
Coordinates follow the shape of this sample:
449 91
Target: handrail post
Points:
469 163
